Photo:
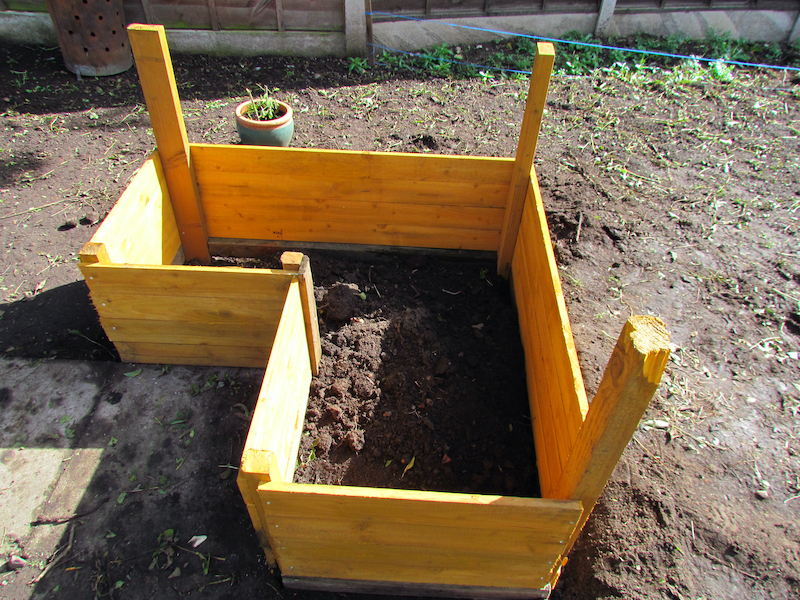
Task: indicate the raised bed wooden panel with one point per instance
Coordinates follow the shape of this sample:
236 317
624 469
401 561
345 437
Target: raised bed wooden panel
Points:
346 538
555 385
444 538
352 197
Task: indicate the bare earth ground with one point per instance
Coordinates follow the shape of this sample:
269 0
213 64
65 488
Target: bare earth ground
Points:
678 197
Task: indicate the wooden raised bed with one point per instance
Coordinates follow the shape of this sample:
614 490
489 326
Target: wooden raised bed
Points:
189 197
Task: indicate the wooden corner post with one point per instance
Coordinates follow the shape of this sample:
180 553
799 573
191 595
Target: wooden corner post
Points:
526 149
631 378
149 45
299 263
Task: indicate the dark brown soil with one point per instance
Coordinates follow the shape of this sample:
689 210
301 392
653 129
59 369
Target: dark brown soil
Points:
421 383
667 193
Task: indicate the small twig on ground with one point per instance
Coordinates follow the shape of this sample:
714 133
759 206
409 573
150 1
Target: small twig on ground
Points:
88 339
34 209
53 562
650 454
580 224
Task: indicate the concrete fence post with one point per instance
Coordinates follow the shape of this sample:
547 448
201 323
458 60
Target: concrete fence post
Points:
355 28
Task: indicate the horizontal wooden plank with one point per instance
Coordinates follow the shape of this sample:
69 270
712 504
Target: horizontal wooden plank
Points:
506 539
177 331
220 310
337 164
225 210
193 354
385 563
357 233
181 280
406 506
281 407
394 588
322 18
305 187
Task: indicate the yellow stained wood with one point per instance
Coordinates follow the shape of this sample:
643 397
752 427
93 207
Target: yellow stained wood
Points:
204 309
341 188
506 539
215 282
153 62
552 444
342 164
385 234
278 417
140 226
477 511
526 149
257 467
228 208
554 319
178 331
550 345
401 535
193 354
94 252
375 562
629 382
299 263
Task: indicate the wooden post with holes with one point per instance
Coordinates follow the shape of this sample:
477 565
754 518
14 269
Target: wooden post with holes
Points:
523 162
299 263
149 44
629 382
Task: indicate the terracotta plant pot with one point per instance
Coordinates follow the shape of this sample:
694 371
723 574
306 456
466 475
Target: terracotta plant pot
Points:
275 132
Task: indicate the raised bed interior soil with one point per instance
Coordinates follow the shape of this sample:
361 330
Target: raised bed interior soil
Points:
422 378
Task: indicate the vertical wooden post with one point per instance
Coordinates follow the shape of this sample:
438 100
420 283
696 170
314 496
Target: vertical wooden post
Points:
299 263
279 15
526 149
370 35
629 382
257 467
149 44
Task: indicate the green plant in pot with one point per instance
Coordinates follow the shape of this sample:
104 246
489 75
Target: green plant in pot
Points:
264 121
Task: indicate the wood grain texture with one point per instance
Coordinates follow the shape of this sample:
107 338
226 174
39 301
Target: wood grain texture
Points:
555 386
321 165
526 150
193 354
278 417
423 537
141 226
323 196
257 467
149 45
302 186
222 316
629 382
299 263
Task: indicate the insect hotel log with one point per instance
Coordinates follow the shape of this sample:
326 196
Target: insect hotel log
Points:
189 198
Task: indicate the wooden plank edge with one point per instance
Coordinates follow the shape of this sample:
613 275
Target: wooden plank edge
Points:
526 149
322 584
252 248
299 263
